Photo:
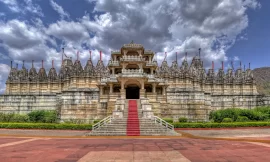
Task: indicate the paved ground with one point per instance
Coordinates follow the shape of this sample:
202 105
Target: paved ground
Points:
144 149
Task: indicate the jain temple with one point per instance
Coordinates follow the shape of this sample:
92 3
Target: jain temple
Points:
88 92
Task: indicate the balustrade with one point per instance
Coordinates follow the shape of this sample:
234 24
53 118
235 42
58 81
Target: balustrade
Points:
132 58
113 63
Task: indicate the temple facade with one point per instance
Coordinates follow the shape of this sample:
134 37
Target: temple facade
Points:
94 92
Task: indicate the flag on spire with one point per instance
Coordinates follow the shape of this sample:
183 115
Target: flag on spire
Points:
165 56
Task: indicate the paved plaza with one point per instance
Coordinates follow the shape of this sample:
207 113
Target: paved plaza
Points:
188 147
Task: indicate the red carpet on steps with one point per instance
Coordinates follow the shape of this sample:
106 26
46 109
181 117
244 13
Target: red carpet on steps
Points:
133 124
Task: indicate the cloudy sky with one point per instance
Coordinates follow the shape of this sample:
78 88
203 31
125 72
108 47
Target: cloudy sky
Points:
225 30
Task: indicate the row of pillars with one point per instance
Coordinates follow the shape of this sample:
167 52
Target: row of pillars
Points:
142 88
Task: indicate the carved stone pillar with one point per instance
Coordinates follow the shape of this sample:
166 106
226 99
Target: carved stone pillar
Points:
151 71
163 90
101 90
154 87
111 88
113 71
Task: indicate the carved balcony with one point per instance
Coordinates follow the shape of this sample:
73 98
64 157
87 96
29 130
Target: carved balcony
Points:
132 58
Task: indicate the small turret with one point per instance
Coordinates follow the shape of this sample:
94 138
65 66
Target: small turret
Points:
52 76
89 69
42 75
33 76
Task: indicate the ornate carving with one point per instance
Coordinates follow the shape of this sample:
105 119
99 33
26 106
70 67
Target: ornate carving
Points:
100 69
52 76
77 69
42 75
229 77
220 76
89 69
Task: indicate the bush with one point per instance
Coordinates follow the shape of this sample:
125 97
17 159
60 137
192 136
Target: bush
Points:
182 120
96 121
257 114
221 125
43 116
169 120
227 120
46 126
11 117
242 119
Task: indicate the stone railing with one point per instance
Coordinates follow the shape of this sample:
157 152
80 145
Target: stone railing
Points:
151 63
105 121
113 63
132 58
133 73
148 51
132 45
116 52
109 79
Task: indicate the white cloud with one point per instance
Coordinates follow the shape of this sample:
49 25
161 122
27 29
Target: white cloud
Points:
27 6
12 5
4 72
33 8
59 9
69 31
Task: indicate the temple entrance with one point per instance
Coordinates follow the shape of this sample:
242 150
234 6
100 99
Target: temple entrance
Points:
132 93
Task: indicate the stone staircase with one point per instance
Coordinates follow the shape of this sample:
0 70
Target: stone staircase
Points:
118 127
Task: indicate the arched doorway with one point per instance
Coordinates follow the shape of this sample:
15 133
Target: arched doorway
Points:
132 92
132 89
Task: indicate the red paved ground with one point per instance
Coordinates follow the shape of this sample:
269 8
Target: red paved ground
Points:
8 140
182 149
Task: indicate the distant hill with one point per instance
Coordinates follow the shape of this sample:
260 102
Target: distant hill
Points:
262 77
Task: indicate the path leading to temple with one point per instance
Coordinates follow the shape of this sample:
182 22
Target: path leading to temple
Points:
133 123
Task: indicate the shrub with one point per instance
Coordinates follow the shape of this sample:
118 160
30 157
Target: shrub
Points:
11 117
169 120
96 121
182 120
227 120
46 126
257 114
43 116
221 125
242 119
19 118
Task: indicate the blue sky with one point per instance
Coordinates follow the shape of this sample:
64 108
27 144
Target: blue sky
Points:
225 30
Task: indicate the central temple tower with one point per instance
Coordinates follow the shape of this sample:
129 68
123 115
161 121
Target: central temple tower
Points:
132 72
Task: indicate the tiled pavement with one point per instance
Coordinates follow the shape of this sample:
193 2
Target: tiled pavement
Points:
143 150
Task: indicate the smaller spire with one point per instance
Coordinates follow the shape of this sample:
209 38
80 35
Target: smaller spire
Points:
222 65
240 65
249 65
90 52
23 64
176 56
11 64
52 64
17 66
165 56
42 64
32 63
199 52
202 64
213 66
244 67
186 56
63 51
100 55
78 55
